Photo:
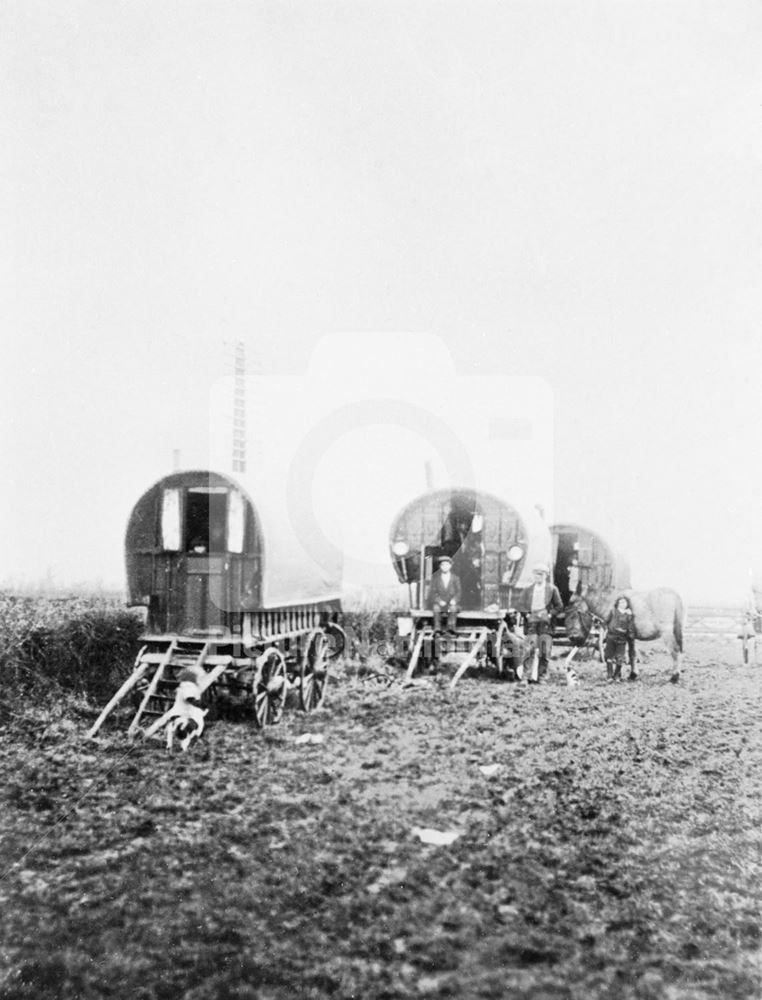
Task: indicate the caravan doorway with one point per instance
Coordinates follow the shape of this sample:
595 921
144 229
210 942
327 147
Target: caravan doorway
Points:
566 565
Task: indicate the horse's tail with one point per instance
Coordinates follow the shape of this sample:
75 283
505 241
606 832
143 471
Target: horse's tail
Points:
680 613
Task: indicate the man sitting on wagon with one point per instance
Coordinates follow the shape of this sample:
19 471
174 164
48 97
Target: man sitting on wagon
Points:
444 595
540 604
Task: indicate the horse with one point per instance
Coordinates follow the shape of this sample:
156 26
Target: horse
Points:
658 614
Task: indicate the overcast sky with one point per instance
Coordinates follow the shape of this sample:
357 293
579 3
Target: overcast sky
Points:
570 190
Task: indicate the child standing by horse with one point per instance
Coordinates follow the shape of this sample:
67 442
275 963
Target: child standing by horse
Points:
620 635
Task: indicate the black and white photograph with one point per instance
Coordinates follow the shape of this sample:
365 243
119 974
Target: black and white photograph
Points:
381 544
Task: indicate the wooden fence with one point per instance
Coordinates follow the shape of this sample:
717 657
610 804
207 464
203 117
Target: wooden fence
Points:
714 621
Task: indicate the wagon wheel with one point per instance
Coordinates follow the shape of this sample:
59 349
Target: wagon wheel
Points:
336 640
503 650
269 688
313 672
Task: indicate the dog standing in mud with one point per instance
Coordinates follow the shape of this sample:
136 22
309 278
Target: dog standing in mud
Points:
186 721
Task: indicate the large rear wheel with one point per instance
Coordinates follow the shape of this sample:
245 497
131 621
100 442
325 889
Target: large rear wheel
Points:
313 671
335 641
269 688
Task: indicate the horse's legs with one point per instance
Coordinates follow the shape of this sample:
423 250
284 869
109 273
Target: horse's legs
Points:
631 653
571 673
676 653
633 675
677 664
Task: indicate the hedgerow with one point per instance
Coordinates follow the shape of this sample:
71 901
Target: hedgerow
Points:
81 645
85 645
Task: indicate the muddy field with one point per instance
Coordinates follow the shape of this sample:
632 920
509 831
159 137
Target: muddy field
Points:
615 851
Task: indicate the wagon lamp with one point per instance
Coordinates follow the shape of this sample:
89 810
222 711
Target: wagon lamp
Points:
515 552
400 548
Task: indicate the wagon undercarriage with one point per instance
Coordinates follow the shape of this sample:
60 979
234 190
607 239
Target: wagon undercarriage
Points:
257 675
485 640
482 638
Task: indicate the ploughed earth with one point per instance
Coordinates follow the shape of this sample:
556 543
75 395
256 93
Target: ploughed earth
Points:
611 848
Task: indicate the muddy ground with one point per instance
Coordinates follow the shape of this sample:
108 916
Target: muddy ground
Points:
615 852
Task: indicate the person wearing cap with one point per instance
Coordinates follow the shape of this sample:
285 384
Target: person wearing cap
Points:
444 595
540 603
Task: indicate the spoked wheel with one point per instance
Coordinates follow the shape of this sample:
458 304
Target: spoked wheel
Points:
335 641
269 688
503 650
313 672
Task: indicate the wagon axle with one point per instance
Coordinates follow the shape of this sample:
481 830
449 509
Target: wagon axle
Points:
265 679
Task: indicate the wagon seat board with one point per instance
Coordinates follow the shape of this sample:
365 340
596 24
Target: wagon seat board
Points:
489 541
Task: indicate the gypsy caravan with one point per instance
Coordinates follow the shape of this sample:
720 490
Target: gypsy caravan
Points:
583 560
492 547
230 594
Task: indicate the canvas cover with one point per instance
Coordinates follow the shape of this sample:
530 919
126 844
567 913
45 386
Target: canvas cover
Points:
344 455
300 564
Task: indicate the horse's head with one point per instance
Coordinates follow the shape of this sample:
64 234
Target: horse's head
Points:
578 620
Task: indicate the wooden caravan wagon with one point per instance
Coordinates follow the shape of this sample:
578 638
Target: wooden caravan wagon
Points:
492 547
583 561
231 595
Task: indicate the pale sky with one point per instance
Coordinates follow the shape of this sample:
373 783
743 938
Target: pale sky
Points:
566 190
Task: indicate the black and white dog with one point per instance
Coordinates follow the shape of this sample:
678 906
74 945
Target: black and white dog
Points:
186 721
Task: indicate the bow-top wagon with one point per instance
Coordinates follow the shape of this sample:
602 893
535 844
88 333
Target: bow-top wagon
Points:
230 596
584 561
492 547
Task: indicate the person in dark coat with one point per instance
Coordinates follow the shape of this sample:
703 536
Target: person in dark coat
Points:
540 604
620 638
444 595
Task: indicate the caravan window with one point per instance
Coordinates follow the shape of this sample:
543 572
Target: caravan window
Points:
236 521
170 520
206 518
